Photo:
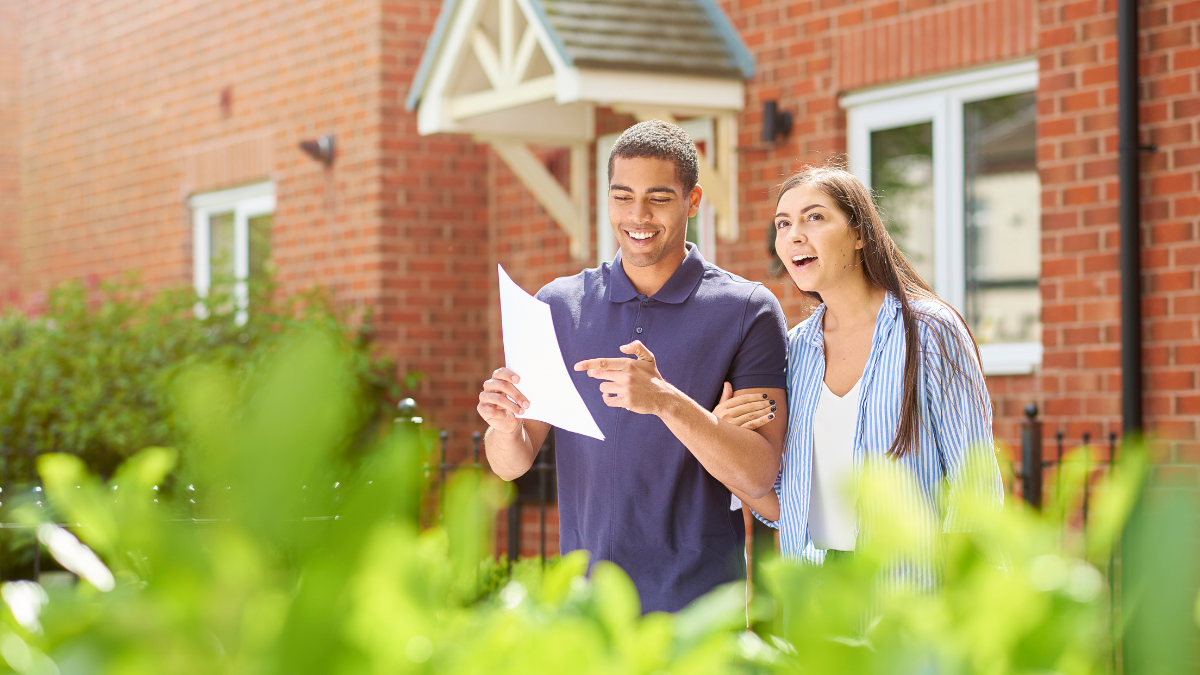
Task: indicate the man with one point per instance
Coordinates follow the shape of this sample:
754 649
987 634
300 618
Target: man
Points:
654 496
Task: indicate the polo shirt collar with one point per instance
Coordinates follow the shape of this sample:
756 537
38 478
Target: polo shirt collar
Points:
677 289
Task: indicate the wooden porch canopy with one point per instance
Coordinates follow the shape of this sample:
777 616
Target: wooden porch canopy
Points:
515 72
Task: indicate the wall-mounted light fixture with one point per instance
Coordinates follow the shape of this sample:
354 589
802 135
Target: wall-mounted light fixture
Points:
323 149
775 123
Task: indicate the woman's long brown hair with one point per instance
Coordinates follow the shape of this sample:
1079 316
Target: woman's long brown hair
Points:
887 268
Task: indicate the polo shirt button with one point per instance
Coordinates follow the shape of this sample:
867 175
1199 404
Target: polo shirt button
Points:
645 303
639 330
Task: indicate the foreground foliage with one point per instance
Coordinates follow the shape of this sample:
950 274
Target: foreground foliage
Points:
298 559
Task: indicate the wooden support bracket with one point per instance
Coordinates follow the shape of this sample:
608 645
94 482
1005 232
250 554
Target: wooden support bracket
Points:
569 210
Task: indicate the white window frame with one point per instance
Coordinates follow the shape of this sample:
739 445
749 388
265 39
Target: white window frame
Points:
702 130
940 101
245 202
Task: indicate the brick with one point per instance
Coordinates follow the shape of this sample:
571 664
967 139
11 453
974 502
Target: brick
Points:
1171 37
1165 184
1171 281
1084 194
1165 233
1182 305
1081 147
1085 100
1084 241
1187 354
1185 109
1187 255
1173 330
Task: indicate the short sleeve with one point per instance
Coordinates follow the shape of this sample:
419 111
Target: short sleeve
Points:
778 493
761 359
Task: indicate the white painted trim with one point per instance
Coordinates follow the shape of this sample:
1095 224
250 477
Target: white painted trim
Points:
227 199
1014 358
702 129
606 243
488 58
940 83
609 87
492 100
940 101
245 202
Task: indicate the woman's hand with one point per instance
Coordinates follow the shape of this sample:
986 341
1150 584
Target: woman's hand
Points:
749 411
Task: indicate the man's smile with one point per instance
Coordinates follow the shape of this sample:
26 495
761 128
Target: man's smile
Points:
642 237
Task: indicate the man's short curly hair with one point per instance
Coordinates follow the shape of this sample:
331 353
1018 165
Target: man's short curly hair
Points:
659 140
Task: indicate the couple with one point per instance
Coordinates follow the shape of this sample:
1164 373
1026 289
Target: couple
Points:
713 394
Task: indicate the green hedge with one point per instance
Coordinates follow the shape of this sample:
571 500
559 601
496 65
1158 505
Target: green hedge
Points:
92 375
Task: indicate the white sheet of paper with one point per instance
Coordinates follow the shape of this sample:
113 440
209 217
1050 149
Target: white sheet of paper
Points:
531 351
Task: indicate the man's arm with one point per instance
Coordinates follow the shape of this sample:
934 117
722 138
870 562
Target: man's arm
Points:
511 443
751 411
745 461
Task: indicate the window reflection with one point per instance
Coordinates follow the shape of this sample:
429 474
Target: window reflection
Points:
902 178
1002 216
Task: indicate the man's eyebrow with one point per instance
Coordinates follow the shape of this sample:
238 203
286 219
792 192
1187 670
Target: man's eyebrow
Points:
626 188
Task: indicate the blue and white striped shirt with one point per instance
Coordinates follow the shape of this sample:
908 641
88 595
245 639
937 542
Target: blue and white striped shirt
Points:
955 431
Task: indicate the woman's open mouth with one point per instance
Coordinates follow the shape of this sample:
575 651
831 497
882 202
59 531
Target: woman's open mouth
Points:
802 261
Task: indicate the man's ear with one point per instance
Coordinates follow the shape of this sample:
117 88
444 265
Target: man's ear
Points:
694 198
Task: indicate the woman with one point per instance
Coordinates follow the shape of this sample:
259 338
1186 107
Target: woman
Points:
883 373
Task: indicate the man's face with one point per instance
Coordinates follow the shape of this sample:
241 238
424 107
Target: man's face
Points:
649 210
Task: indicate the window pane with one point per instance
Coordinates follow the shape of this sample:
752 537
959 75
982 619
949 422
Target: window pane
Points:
260 245
1003 230
220 248
902 179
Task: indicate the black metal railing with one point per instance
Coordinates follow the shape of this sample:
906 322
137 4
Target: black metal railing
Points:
1030 471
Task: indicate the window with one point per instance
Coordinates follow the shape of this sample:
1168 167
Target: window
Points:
701 227
231 239
952 162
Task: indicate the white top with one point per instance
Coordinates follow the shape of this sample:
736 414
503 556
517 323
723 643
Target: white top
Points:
832 524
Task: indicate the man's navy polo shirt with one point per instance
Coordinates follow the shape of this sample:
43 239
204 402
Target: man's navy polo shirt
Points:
639 498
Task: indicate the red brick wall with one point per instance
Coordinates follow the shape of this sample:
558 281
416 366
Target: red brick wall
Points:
1077 152
434 258
117 98
10 135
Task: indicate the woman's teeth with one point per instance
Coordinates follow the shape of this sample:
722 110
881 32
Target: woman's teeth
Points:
802 260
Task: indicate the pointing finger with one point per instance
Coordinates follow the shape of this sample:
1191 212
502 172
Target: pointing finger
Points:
602 364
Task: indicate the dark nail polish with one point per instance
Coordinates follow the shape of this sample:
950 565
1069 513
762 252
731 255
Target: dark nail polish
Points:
770 417
772 408
764 395
772 402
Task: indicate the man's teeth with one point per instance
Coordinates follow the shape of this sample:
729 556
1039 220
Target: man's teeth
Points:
641 235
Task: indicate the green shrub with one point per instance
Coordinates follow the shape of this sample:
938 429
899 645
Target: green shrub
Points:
92 375
277 576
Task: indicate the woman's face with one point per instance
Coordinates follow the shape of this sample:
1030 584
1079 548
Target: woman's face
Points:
815 241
